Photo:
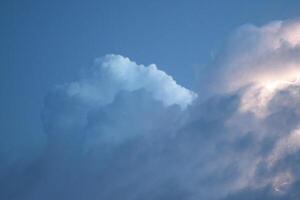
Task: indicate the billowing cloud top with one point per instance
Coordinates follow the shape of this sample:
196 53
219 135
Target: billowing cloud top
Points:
264 59
262 55
114 73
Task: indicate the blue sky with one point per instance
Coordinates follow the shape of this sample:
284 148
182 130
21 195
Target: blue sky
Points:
49 43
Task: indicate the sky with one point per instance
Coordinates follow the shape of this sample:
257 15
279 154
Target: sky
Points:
149 99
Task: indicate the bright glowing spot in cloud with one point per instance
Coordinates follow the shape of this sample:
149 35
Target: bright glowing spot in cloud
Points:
262 60
278 84
257 97
262 66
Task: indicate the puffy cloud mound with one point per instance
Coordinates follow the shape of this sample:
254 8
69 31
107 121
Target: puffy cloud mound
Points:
114 73
267 55
126 131
262 66
262 59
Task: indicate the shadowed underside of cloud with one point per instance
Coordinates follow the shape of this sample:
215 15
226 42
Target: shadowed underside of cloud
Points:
128 131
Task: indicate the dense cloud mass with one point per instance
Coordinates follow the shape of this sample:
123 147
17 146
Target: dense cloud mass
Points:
128 131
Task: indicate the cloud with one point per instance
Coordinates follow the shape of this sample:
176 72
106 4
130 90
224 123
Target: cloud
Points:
114 73
263 59
262 55
287 145
262 65
128 131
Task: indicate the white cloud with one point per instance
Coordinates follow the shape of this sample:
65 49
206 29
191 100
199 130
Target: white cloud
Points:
287 145
114 73
261 55
264 59
262 66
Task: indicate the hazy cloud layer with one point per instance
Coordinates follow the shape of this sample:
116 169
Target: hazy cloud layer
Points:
128 131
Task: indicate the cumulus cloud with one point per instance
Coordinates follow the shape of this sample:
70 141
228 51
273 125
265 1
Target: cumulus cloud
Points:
263 59
114 73
128 131
263 55
262 65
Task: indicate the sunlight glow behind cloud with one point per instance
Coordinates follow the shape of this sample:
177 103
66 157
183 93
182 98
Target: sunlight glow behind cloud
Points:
264 59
